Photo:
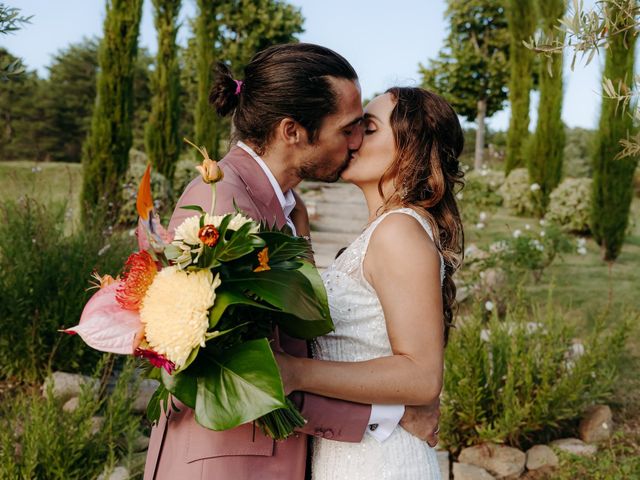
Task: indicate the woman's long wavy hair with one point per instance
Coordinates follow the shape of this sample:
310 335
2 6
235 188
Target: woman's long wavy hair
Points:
426 175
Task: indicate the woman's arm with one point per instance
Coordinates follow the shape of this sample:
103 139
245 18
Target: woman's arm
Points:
403 266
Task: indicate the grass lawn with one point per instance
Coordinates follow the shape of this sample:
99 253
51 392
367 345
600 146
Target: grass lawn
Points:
46 182
581 283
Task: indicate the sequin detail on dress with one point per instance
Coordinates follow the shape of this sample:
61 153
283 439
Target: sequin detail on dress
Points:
361 334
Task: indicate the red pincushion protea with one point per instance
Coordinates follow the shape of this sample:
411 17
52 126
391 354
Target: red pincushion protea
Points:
156 359
140 269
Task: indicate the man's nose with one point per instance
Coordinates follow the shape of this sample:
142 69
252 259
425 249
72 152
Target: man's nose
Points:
355 140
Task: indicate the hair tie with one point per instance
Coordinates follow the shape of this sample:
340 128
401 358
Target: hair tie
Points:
239 84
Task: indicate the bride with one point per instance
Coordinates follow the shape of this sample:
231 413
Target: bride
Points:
391 292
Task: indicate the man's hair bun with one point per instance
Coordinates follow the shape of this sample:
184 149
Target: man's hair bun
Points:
223 94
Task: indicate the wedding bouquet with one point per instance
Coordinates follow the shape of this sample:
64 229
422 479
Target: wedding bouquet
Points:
200 308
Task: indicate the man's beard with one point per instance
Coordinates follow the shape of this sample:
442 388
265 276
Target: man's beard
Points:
312 171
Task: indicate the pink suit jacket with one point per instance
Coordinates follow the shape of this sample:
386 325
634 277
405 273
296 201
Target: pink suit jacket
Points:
179 447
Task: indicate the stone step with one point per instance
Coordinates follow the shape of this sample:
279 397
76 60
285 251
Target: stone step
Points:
353 211
336 238
337 225
331 193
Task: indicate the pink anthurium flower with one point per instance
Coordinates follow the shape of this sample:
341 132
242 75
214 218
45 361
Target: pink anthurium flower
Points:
105 325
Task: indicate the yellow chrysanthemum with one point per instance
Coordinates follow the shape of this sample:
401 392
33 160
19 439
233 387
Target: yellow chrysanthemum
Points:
175 311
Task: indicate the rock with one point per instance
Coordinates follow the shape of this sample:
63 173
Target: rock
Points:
71 405
499 460
597 424
575 446
66 385
96 424
462 293
145 391
473 252
141 443
443 463
493 280
118 473
463 471
540 456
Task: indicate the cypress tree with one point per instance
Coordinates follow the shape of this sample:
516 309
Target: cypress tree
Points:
521 16
206 121
162 137
612 174
106 149
545 162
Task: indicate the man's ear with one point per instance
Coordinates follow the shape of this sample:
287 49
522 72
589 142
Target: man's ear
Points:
290 131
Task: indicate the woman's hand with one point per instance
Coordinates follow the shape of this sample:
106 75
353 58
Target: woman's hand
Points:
288 371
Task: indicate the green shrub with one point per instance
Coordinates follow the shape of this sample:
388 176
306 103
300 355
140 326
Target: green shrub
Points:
524 380
570 205
39 440
527 252
510 263
44 275
578 150
480 193
521 196
185 172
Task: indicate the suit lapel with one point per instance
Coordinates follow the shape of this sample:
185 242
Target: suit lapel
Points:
258 185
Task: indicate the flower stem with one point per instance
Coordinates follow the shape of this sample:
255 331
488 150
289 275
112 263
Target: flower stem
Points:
281 423
213 199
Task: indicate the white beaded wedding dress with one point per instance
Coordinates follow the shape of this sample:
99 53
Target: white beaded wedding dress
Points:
361 334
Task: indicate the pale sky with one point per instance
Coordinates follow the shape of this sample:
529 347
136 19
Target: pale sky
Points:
384 40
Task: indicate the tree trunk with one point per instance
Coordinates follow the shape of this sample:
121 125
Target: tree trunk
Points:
479 157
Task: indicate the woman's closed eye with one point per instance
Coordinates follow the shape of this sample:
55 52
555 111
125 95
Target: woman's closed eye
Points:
369 125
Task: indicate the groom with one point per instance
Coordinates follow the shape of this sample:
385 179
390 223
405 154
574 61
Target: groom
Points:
297 115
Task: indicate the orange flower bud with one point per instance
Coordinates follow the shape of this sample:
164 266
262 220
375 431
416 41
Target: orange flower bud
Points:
209 235
263 259
210 171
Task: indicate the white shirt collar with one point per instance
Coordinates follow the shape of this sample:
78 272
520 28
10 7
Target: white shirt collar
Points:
287 200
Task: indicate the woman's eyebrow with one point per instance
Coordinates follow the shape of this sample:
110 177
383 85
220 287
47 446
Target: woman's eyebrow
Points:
370 115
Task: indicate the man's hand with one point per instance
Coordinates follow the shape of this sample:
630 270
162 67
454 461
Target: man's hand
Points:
422 422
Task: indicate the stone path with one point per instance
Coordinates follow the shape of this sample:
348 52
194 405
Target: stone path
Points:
337 213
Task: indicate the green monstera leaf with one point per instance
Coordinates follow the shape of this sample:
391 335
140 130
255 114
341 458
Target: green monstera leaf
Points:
226 298
283 247
305 313
238 386
288 291
182 385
